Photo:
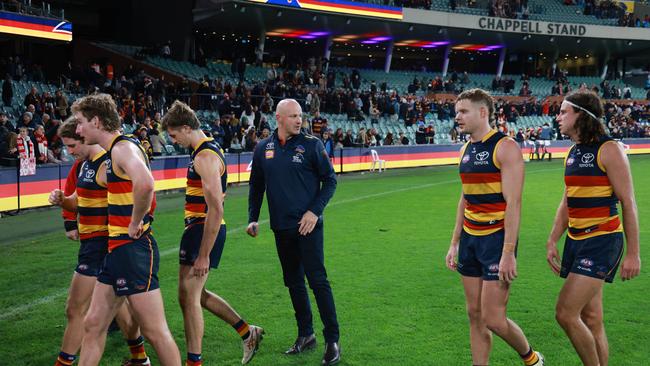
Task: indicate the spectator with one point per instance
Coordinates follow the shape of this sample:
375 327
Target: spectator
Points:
251 139
317 124
4 135
349 140
388 140
143 136
27 122
24 144
328 142
32 98
7 91
157 142
61 105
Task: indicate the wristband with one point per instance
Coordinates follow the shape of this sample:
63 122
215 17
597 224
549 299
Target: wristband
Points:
509 247
70 225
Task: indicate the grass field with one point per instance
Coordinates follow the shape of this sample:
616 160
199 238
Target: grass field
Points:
386 236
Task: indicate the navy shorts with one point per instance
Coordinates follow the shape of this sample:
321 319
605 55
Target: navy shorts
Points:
132 268
479 256
596 257
191 243
90 259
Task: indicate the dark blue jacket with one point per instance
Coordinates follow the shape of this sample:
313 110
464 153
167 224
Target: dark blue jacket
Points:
297 177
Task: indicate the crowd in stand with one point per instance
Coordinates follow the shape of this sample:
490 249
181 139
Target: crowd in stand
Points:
244 108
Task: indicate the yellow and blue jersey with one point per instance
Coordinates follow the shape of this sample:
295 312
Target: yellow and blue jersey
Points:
92 201
195 205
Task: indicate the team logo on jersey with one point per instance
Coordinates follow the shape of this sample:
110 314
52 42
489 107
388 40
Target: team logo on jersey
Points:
465 158
270 146
483 155
300 149
108 165
297 158
587 158
90 173
269 154
570 161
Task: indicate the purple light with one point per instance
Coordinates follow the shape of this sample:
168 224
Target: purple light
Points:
429 46
485 49
381 39
307 37
370 42
319 34
441 43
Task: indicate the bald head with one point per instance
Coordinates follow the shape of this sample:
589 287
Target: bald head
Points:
287 104
289 116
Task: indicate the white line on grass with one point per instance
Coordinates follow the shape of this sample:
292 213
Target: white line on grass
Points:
62 292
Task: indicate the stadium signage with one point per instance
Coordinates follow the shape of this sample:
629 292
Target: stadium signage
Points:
528 26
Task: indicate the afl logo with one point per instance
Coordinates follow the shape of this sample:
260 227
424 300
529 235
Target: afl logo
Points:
121 282
494 268
465 158
482 155
90 174
569 161
586 262
587 158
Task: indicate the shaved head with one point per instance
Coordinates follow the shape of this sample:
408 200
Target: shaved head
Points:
286 104
288 114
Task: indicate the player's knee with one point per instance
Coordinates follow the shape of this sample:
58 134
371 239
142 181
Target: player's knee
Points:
563 316
74 310
474 314
592 319
92 323
497 325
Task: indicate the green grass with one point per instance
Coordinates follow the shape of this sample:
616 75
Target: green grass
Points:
386 236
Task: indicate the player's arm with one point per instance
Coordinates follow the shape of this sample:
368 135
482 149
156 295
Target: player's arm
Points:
560 225
128 158
508 155
70 217
256 188
210 167
68 203
613 159
452 253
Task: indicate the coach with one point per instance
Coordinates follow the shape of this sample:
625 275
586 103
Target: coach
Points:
295 171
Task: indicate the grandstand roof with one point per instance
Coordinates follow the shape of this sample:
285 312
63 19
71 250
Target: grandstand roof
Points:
252 16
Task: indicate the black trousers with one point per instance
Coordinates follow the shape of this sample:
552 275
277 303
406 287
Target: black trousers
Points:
303 255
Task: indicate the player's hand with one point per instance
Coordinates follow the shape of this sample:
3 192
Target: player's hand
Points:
631 267
450 259
508 268
252 229
201 266
56 197
307 223
135 230
553 258
72 234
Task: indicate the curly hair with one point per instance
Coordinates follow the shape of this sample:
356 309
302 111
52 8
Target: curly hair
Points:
101 106
588 128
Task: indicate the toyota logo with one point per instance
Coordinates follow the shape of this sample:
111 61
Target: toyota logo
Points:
587 158
482 155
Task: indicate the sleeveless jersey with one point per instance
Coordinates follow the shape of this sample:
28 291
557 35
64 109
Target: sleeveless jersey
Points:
590 196
120 201
480 175
92 202
195 205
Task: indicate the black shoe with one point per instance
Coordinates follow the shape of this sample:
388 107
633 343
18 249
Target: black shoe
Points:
332 354
302 344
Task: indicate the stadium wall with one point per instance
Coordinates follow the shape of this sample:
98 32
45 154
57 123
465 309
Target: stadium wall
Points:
169 172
